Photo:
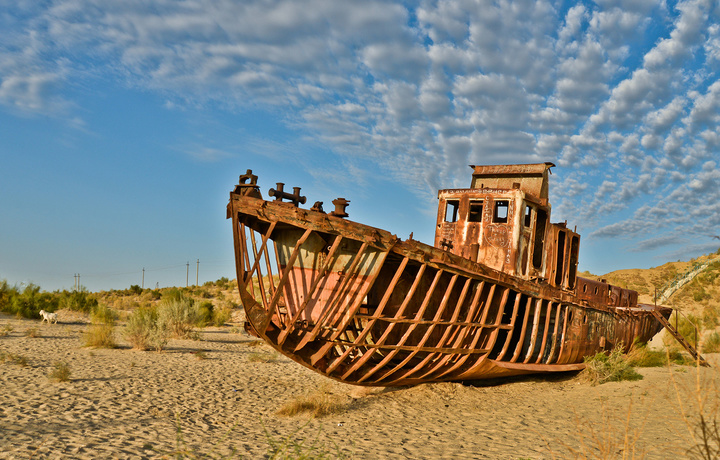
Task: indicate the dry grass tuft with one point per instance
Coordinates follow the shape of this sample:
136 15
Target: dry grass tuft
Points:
200 354
60 372
12 358
255 343
609 367
32 332
318 404
6 330
263 357
101 333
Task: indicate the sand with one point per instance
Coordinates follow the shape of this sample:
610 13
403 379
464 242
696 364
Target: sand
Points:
219 396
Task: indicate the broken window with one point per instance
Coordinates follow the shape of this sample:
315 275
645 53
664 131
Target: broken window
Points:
539 238
560 262
475 213
528 216
574 248
501 212
451 210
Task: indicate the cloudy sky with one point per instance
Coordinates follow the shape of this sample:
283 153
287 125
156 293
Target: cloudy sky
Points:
124 124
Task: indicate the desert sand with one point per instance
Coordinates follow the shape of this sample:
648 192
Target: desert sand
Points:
218 397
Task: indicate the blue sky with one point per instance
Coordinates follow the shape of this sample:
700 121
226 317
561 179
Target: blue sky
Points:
124 125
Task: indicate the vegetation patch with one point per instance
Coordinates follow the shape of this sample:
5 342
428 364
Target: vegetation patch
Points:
263 357
641 356
144 330
178 315
711 343
101 333
318 404
61 372
12 358
6 330
609 367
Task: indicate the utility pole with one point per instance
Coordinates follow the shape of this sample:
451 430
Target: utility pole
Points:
78 282
187 274
197 270
143 281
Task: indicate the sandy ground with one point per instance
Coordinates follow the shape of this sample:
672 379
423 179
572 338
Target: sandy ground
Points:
123 403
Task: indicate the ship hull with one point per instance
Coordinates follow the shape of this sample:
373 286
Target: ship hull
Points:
359 305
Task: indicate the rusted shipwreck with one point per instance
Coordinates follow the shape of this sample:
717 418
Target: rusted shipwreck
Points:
497 295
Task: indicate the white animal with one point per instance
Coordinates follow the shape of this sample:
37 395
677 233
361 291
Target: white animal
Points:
49 317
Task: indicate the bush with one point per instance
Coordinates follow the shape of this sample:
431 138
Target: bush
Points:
26 303
609 367
178 316
101 333
641 356
61 372
221 316
80 300
205 314
712 343
135 289
144 331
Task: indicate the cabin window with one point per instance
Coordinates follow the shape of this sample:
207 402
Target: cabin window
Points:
528 216
501 212
574 248
451 210
559 267
475 213
539 238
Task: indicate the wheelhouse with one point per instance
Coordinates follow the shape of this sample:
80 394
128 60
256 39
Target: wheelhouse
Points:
503 220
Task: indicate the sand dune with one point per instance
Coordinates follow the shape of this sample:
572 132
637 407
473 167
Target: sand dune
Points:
218 396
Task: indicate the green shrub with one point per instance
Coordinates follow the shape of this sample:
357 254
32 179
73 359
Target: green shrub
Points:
712 343
101 333
173 294
26 302
609 367
79 300
641 356
144 330
221 316
102 314
178 316
205 314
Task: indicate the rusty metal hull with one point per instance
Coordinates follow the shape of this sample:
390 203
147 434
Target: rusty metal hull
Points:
359 305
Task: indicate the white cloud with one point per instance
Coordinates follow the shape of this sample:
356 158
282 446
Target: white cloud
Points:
422 91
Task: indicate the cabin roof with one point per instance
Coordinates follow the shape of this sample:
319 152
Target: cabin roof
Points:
530 178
